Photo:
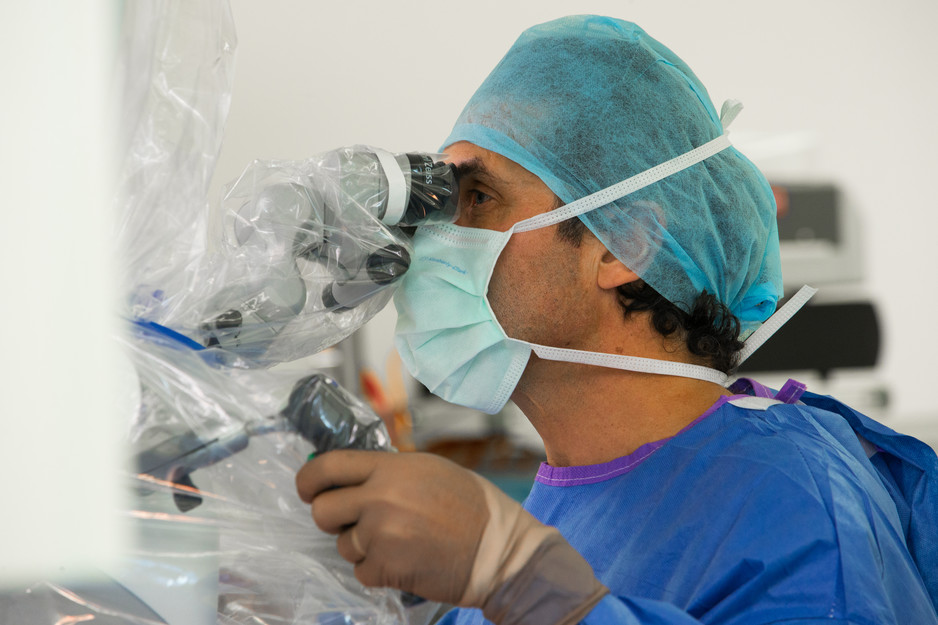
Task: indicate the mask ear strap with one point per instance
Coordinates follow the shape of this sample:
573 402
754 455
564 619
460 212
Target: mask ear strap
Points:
687 370
629 363
776 321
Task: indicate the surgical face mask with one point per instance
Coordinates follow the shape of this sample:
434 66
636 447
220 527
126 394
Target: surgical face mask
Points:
447 334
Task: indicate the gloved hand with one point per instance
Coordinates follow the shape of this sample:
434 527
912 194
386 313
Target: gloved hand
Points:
422 524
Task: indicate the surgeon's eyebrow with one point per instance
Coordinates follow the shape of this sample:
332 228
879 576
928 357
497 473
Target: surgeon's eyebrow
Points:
476 168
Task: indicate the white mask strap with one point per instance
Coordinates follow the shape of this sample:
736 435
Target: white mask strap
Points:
728 113
631 363
730 110
776 321
684 370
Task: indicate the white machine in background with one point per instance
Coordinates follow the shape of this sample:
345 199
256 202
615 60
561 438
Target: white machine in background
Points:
833 344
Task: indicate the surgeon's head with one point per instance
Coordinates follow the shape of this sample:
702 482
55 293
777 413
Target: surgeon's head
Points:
584 102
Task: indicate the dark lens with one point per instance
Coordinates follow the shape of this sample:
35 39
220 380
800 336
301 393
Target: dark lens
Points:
388 264
433 191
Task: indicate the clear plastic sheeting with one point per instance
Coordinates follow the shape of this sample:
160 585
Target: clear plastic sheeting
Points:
214 440
220 535
312 249
175 72
298 254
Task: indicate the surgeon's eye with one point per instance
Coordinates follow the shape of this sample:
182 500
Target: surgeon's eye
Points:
475 198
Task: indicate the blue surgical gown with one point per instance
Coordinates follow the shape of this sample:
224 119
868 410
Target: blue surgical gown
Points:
759 512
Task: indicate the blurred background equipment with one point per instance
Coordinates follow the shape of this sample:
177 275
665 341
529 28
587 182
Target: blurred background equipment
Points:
834 343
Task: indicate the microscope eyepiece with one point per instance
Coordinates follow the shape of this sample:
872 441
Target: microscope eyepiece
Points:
434 192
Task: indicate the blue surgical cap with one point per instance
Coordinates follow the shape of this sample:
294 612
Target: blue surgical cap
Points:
584 102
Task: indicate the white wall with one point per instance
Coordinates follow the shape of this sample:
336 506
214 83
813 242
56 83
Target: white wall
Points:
855 77
60 405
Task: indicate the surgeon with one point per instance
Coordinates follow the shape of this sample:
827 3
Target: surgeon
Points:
613 254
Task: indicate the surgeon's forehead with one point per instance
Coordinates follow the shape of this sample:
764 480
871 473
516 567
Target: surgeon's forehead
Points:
477 169
486 166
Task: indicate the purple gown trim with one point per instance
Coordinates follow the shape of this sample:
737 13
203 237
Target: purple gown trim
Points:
594 473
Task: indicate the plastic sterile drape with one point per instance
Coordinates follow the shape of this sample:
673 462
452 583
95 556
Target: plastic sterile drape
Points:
214 439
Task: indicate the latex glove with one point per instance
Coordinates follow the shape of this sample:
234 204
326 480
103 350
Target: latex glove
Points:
422 524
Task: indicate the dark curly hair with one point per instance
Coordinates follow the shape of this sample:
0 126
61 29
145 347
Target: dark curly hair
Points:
710 330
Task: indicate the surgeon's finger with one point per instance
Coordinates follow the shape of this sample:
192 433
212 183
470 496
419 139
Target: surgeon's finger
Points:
335 469
334 510
380 557
350 547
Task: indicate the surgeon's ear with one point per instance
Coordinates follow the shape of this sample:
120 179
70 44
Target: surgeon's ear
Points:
613 273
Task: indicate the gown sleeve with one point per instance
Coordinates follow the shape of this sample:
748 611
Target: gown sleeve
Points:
622 611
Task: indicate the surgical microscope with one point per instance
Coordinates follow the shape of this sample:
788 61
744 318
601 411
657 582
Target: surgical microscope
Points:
350 219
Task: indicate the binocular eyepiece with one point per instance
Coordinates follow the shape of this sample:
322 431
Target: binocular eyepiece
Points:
434 192
409 189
